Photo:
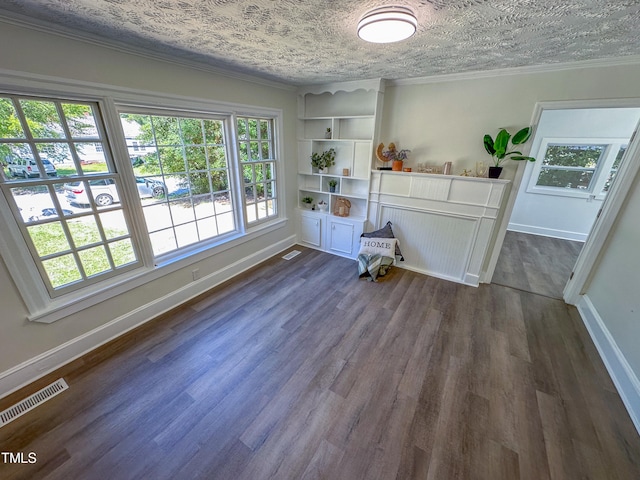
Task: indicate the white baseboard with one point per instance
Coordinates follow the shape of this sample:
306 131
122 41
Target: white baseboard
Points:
622 374
41 365
548 232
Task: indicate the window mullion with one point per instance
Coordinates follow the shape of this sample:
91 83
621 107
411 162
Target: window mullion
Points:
236 174
117 145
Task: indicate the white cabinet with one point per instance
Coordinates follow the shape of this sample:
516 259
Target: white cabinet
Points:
330 233
342 117
311 229
343 236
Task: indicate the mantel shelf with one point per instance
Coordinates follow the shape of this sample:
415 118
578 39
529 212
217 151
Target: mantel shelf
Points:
441 176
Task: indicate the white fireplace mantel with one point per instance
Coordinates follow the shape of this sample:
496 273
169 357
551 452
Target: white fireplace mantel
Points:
444 223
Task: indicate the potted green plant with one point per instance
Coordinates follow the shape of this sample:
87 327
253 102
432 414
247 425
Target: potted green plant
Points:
332 185
324 160
500 149
307 201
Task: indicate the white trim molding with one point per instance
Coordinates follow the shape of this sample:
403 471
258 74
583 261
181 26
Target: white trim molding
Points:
621 373
526 70
548 232
45 363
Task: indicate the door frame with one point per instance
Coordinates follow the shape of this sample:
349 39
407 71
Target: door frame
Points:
614 200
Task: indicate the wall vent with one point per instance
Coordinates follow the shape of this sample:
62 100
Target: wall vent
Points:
32 401
292 254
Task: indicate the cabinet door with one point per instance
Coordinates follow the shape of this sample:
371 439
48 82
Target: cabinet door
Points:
311 229
341 237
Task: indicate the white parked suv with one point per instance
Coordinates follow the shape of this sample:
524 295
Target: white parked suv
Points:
29 168
105 193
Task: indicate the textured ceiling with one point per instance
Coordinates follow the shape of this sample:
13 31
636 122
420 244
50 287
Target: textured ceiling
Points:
310 41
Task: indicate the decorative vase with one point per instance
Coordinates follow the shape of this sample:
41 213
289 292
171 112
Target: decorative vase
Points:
397 166
332 189
494 172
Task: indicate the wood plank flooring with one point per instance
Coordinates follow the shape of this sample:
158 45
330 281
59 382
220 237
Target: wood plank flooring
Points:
299 370
536 264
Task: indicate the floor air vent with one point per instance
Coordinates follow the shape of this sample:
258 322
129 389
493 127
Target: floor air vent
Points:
291 254
32 401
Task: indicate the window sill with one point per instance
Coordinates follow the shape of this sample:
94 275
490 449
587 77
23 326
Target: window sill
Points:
565 192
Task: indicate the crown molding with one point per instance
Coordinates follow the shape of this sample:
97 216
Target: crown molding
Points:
548 68
33 24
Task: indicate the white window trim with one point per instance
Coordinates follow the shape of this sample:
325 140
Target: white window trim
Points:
41 307
599 177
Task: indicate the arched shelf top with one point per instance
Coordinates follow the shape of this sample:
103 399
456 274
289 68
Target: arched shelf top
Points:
377 85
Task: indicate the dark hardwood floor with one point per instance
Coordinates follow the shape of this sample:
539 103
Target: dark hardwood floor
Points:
536 264
299 370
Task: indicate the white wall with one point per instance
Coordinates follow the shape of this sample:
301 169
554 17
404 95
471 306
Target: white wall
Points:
558 216
27 348
445 120
611 304
615 284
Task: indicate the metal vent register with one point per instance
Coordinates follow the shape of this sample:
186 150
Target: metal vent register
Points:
291 254
32 401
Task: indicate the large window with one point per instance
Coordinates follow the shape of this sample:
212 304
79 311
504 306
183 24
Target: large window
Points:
56 194
577 167
185 159
87 206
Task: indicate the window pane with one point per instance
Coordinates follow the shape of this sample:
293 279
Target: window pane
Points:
242 129
158 217
10 126
49 238
92 158
191 130
585 156
84 231
62 270
214 132
59 155
122 252
114 224
43 119
188 160
614 168
576 179
80 120
94 261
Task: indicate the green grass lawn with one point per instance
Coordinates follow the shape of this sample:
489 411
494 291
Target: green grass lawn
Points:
49 239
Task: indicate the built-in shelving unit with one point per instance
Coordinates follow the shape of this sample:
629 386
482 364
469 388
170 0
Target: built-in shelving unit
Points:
342 116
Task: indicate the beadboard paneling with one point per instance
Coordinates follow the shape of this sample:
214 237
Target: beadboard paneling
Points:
433 243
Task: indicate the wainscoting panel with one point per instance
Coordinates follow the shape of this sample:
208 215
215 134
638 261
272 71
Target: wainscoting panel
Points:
432 243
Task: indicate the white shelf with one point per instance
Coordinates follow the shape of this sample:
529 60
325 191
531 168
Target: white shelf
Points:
349 111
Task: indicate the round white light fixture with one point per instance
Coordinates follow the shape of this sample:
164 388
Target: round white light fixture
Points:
387 25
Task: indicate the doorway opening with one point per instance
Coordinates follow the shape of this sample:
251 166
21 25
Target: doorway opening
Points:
579 152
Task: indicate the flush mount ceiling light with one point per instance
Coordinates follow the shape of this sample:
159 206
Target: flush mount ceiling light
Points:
387 25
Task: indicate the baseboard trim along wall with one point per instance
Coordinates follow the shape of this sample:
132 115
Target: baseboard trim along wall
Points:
622 374
37 367
548 232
